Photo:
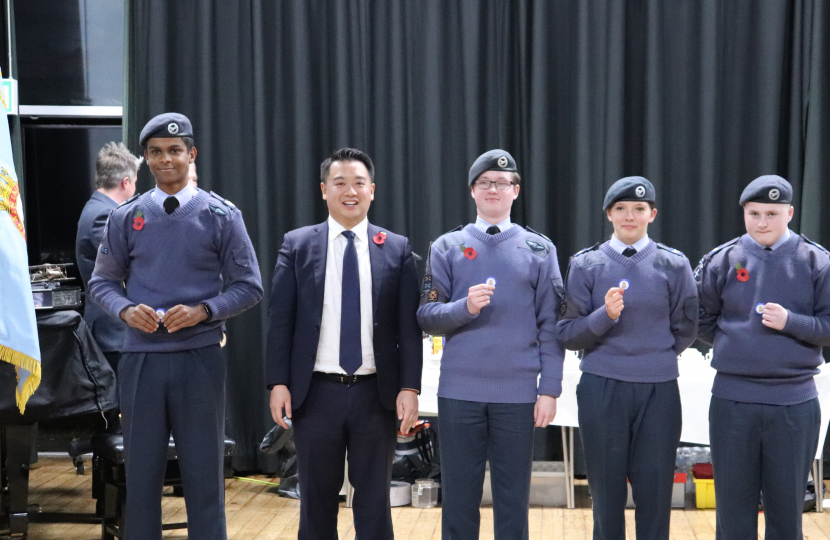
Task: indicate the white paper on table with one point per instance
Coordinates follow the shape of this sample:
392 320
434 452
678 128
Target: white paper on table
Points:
694 383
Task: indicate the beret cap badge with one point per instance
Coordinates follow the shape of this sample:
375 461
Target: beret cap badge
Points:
630 188
165 126
767 189
492 160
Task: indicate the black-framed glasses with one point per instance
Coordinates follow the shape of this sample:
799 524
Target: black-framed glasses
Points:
485 185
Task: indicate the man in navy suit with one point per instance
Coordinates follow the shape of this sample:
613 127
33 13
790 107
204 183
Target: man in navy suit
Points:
344 351
115 175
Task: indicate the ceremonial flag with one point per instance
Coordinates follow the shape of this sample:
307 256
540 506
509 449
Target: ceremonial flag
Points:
18 328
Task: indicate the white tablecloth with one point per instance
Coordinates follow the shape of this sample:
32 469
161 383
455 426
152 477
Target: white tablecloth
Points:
695 384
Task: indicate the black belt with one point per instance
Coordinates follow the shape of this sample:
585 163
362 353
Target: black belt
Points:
342 378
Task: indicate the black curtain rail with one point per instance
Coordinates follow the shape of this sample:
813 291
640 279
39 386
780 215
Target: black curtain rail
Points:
700 97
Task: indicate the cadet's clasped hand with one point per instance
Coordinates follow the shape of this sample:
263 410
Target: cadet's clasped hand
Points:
144 318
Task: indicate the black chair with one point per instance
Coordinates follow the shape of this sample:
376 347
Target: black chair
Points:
110 477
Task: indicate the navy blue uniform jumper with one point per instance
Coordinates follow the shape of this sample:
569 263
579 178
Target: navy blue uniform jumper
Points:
629 403
764 416
495 364
175 382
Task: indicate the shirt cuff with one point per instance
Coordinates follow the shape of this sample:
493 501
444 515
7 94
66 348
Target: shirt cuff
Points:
599 322
417 392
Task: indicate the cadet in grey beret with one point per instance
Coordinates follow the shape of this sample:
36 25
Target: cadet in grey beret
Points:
494 160
635 299
166 125
765 301
768 189
630 188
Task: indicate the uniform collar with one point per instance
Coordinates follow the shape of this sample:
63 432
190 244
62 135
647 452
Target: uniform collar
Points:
184 195
778 243
361 230
619 246
483 225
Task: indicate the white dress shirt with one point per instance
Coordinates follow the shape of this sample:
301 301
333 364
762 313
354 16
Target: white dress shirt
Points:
483 225
184 195
619 246
328 348
778 243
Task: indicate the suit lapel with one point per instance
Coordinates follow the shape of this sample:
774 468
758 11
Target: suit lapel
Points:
377 257
319 252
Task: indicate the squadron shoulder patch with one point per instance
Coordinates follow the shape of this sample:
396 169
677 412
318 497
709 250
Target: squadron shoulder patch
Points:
432 296
216 210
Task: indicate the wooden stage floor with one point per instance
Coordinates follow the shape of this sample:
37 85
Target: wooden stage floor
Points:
254 511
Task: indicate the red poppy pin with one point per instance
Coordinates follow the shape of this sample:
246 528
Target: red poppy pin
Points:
743 273
379 238
469 252
138 222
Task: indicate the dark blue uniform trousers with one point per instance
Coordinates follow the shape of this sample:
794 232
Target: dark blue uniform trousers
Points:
471 433
335 418
629 431
183 393
761 448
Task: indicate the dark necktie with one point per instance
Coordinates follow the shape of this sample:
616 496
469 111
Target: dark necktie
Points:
351 352
629 251
768 248
170 204
492 229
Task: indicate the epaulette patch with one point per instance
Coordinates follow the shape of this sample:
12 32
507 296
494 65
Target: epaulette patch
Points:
824 249
224 200
722 247
452 238
669 249
586 250
131 199
705 259
216 210
574 256
528 229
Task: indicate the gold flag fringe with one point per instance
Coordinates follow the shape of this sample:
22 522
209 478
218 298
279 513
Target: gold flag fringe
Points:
28 363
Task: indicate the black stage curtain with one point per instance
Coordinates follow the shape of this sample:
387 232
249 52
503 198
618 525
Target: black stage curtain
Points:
700 97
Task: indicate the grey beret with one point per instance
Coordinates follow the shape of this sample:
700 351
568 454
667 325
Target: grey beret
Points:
165 126
494 160
771 189
630 188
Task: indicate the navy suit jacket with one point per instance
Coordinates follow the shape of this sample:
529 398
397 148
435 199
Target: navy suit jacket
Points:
106 329
296 311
